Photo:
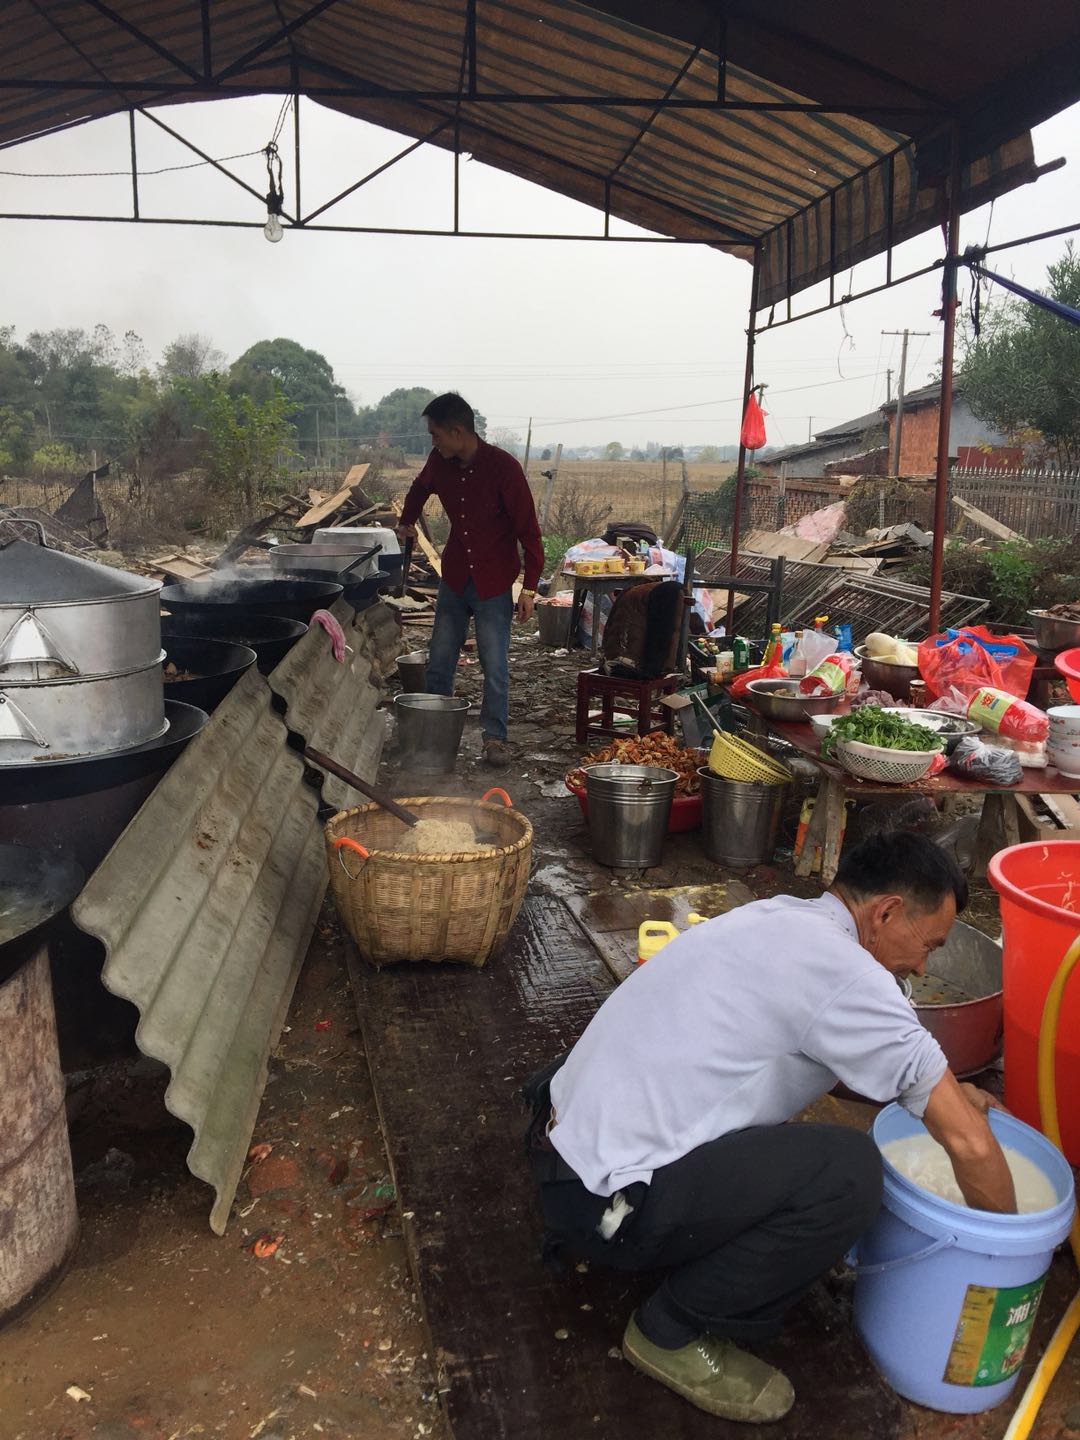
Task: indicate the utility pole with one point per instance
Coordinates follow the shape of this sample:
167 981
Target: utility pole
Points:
888 386
528 444
809 428
895 466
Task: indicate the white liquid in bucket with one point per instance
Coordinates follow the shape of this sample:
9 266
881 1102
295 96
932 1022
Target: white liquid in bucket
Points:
926 1163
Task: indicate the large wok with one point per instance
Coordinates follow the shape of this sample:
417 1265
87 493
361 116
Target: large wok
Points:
295 599
270 636
34 888
214 665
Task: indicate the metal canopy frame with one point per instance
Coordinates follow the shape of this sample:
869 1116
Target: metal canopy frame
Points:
886 100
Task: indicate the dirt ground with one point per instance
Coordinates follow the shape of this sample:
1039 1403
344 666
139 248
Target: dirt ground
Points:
162 1331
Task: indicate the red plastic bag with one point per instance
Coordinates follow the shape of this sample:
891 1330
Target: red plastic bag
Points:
752 434
971 658
773 671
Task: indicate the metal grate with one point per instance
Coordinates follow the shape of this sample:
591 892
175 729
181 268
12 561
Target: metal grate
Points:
867 602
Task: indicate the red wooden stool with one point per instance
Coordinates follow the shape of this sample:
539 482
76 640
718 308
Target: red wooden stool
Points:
636 696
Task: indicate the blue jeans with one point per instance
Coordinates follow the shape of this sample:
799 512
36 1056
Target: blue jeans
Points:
493 619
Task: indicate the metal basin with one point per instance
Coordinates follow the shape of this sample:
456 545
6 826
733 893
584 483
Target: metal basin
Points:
969 1031
295 599
322 562
881 675
775 706
1052 633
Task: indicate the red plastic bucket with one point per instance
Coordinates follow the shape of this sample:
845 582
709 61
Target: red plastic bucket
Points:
1039 885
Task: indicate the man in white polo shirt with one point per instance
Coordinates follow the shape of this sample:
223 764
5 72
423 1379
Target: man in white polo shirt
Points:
662 1143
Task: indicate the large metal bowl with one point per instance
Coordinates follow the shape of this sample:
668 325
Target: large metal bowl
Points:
883 675
794 708
1052 633
969 1031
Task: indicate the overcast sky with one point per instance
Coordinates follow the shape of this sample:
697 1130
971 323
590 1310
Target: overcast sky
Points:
595 342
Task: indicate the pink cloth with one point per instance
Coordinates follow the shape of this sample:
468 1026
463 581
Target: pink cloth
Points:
334 630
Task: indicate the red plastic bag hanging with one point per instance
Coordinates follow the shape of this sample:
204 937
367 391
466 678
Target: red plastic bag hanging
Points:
752 434
970 658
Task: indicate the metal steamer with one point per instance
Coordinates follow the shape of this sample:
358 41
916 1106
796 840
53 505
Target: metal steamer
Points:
80 657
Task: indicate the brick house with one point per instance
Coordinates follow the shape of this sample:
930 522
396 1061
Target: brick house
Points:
853 439
972 442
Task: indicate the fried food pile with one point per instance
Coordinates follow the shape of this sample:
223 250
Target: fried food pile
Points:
656 748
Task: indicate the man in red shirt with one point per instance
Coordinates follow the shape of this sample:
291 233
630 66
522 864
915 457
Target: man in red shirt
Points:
490 507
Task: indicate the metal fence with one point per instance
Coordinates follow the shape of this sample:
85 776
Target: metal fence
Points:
1037 504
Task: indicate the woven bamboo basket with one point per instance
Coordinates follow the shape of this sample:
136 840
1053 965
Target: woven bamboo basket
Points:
399 905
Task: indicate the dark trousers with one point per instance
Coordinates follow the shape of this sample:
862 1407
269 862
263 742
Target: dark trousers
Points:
743 1226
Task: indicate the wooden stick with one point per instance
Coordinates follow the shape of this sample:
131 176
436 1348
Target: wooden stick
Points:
373 792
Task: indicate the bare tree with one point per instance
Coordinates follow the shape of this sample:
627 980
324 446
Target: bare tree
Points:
189 357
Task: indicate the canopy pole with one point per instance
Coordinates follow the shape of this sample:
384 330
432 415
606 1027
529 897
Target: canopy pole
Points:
948 320
740 471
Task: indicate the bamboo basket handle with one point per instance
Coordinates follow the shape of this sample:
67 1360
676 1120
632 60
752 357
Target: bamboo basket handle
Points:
339 844
498 790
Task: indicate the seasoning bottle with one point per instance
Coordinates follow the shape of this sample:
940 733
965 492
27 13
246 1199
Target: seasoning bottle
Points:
774 649
740 652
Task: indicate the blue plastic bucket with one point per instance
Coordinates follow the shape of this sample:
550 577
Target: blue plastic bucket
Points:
945 1296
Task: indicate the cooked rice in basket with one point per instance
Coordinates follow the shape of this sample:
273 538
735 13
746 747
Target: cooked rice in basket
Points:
437 837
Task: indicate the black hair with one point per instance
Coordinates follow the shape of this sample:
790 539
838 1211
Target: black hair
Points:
449 410
904 863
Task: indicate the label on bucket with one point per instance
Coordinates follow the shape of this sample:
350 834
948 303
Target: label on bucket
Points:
992 1333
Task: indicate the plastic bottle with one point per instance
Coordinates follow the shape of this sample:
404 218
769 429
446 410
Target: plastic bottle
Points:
796 665
843 639
1004 714
741 652
820 622
653 935
774 649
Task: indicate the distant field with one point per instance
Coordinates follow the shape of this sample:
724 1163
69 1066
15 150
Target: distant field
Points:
588 493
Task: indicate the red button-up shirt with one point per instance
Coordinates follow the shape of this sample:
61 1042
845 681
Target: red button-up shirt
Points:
491 513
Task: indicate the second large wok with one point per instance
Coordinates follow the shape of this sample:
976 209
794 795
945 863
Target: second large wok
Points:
295 599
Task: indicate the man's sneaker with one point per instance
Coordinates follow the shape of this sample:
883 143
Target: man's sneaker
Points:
714 1375
497 752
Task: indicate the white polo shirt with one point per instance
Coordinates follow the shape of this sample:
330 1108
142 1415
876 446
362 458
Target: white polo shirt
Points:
740 1021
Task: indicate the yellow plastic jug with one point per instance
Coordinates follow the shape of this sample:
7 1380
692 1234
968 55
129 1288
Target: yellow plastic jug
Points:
653 935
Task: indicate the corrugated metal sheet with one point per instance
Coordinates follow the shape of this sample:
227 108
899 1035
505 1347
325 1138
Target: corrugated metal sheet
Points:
688 118
335 706
206 905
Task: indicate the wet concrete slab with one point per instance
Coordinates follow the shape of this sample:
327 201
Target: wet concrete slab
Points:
521 1352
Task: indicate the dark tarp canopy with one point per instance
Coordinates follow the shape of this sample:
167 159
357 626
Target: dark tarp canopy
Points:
816 133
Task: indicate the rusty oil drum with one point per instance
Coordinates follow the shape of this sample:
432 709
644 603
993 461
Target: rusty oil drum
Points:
38 1219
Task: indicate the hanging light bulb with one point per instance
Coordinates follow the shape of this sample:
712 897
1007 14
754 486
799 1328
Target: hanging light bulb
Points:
275 196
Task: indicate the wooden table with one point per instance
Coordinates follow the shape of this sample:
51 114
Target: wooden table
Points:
999 824
598 586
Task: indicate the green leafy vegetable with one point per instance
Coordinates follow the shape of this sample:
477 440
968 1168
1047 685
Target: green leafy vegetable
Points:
875 726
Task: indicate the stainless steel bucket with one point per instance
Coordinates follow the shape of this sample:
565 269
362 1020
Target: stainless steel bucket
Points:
413 671
739 818
629 808
554 624
429 729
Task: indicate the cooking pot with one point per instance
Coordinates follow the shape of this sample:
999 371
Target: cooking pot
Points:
63 617
270 636
34 888
295 599
214 667
322 562
49 720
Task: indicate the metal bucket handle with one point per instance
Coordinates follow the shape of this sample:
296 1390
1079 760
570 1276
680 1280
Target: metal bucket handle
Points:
498 790
339 844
